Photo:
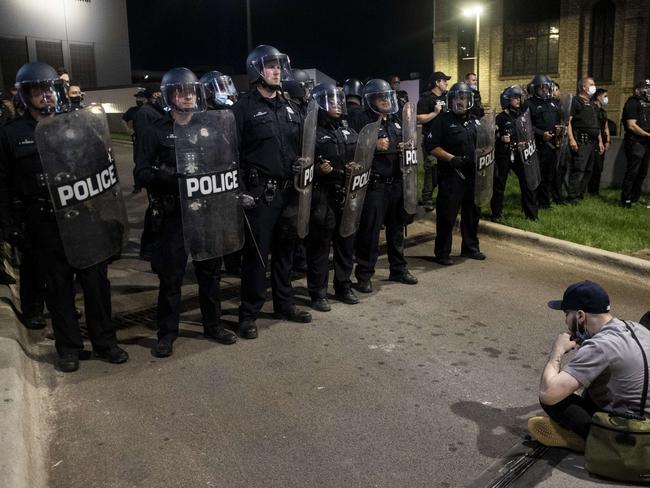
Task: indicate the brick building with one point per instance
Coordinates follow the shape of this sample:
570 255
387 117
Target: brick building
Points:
607 39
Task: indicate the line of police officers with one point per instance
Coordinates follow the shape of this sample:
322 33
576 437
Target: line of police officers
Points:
331 172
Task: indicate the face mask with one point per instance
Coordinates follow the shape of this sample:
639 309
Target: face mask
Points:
75 99
223 100
139 103
591 90
473 87
605 101
580 335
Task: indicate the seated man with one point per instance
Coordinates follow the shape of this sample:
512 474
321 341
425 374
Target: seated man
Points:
608 365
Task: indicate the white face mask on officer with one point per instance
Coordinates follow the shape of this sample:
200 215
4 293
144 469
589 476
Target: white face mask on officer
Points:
605 101
591 90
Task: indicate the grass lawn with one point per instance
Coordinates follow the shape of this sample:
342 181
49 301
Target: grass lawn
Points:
120 136
598 221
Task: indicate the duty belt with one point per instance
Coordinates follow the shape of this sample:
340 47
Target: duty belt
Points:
584 137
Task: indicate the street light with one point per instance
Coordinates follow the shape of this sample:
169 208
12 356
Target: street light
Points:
470 11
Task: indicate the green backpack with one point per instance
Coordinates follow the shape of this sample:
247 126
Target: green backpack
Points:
618 445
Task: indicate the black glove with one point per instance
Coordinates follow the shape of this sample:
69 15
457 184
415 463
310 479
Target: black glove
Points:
458 161
247 201
14 236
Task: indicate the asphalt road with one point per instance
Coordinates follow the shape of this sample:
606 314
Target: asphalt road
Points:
417 386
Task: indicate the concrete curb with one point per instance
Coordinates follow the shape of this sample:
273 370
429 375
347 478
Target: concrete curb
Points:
639 268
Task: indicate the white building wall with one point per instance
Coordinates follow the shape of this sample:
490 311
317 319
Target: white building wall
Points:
102 23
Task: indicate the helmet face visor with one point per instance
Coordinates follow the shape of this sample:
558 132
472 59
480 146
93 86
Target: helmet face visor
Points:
220 90
332 102
274 68
46 96
184 97
544 90
461 101
384 102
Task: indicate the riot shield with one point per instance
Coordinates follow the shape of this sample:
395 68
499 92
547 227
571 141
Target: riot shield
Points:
409 159
562 131
207 161
81 176
484 168
358 178
527 150
303 180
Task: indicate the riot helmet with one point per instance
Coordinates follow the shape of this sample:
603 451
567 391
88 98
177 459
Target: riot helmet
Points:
330 99
380 97
40 88
301 86
460 98
219 89
262 63
182 91
542 87
512 92
353 88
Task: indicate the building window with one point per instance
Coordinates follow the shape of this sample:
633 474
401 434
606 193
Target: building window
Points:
82 58
531 37
50 52
13 54
602 40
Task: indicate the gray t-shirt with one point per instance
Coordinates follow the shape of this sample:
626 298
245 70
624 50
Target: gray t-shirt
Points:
610 366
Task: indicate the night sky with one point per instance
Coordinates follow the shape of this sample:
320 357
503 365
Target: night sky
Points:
340 38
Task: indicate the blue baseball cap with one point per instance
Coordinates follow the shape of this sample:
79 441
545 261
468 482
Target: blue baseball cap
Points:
584 295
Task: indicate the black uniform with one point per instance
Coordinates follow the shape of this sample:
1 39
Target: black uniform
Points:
427 105
545 115
456 135
384 203
477 109
637 149
25 203
155 170
336 144
599 159
129 115
507 157
269 131
586 128
144 117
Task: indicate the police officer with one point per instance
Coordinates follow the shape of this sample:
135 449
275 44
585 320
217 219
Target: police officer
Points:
22 182
636 119
384 203
298 90
507 156
601 100
149 113
353 90
584 139
471 79
156 170
221 94
335 146
546 117
452 141
430 105
402 95
129 116
6 109
75 96
269 130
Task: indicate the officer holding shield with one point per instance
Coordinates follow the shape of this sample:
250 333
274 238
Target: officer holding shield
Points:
452 141
384 203
29 214
156 170
269 133
507 155
335 146
546 117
